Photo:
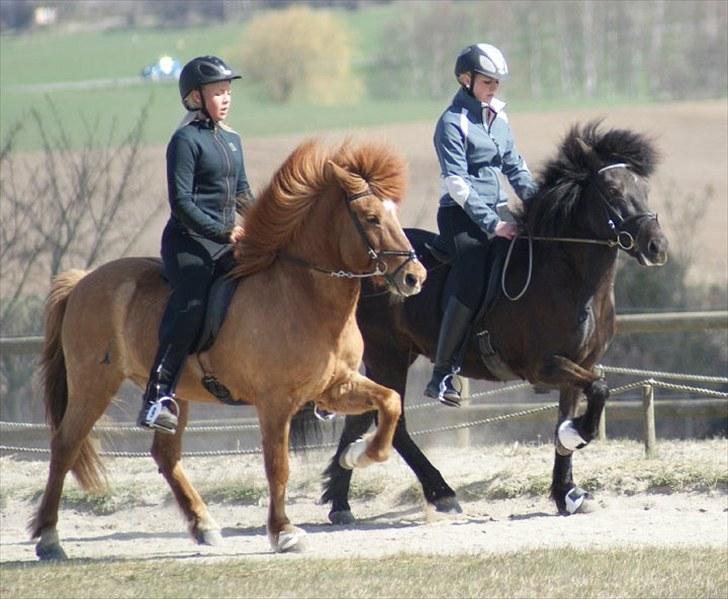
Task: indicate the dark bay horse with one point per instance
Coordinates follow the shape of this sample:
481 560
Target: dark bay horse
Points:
592 202
326 220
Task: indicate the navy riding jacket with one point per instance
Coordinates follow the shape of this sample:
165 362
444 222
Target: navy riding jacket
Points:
472 152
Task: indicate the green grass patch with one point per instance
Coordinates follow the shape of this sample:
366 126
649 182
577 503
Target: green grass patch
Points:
236 492
647 572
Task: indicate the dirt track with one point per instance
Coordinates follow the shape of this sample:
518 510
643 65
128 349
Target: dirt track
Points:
391 517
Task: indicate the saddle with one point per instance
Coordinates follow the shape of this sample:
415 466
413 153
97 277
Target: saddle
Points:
429 247
218 300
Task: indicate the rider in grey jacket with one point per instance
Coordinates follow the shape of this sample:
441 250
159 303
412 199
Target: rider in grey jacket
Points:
474 143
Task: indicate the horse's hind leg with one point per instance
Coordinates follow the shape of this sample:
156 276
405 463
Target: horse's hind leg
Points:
338 479
71 449
390 369
167 453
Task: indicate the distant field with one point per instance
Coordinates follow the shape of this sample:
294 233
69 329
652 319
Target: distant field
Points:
109 62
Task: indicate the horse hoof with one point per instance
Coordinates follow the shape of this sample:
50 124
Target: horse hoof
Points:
576 500
354 456
289 541
569 437
341 517
208 537
50 552
448 505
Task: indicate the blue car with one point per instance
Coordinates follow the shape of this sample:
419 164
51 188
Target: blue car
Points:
166 68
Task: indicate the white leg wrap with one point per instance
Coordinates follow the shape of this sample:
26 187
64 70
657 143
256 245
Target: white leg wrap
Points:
574 499
288 540
354 456
569 437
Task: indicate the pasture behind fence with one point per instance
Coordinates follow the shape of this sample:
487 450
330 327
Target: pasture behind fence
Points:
647 382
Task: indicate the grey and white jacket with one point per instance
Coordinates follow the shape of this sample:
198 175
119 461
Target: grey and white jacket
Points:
471 153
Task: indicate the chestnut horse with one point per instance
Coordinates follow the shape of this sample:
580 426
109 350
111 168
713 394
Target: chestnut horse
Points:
326 220
592 202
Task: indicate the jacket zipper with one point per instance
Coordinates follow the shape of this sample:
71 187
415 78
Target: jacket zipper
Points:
229 169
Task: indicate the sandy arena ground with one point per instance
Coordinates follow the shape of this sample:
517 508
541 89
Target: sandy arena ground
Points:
390 512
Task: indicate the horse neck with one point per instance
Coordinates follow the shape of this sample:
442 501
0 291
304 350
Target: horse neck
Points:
593 267
316 244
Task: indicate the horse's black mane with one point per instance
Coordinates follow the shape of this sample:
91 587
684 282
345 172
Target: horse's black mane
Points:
562 179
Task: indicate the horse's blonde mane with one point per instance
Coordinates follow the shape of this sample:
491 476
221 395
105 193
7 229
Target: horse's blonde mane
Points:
279 211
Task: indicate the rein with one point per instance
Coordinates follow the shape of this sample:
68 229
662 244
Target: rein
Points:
374 255
623 239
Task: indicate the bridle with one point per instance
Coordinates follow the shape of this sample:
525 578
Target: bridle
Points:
376 256
623 239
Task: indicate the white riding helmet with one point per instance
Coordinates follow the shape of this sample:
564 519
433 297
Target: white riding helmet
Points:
482 58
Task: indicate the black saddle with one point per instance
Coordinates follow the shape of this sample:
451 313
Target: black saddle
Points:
432 252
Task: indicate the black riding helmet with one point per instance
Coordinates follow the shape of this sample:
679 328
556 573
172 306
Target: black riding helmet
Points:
201 70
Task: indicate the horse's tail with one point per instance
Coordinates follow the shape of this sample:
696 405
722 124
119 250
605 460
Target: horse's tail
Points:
306 429
87 469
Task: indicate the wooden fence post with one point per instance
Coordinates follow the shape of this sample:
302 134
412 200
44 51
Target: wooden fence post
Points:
602 433
648 404
463 434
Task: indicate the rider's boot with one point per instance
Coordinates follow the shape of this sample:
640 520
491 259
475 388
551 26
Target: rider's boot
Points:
158 404
454 326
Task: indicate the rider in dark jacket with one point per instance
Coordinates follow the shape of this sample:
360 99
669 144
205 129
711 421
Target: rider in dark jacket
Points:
474 145
208 191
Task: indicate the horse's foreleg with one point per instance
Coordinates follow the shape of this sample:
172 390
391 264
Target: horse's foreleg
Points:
167 453
568 497
357 395
274 428
575 433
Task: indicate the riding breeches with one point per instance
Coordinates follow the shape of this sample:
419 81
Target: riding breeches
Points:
468 246
190 270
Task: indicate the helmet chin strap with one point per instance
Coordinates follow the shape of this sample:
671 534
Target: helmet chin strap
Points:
203 106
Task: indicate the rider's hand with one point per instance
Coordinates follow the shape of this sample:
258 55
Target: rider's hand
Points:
237 233
506 229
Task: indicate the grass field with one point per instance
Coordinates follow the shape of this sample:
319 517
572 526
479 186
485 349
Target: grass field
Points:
91 79
556 573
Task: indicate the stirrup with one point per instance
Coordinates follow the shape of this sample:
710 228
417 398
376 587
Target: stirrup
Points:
451 400
161 407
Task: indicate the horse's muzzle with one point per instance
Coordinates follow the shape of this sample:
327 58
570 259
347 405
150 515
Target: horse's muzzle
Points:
408 279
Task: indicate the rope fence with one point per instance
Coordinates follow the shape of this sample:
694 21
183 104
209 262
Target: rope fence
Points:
647 386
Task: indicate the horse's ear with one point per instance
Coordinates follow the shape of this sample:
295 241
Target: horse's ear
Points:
349 182
592 159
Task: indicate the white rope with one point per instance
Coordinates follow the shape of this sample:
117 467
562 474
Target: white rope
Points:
453 427
665 375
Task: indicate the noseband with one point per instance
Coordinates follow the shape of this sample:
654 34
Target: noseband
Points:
376 256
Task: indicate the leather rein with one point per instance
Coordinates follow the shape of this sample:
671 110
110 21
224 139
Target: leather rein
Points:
376 256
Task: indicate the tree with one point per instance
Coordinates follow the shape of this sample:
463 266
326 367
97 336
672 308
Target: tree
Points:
300 53
61 208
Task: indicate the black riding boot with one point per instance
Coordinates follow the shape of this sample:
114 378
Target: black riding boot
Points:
158 405
455 323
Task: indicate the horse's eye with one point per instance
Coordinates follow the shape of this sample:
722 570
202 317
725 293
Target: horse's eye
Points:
372 219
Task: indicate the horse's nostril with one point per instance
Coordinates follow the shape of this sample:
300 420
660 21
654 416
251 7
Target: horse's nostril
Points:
411 280
654 248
